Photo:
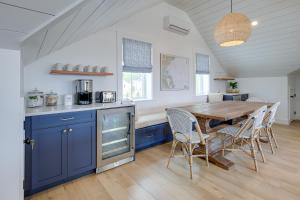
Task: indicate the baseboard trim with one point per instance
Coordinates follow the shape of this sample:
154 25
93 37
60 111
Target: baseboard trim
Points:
297 117
282 122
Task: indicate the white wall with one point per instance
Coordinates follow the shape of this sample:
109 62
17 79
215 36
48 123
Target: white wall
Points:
271 89
104 49
11 133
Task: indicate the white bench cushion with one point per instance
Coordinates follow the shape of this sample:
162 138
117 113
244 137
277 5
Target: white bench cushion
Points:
150 120
214 97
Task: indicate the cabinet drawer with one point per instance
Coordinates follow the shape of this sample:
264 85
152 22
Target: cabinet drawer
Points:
149 136
46 121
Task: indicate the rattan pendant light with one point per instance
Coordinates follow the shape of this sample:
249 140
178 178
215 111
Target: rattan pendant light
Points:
233 29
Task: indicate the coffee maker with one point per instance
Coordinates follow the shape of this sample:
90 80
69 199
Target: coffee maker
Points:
83 92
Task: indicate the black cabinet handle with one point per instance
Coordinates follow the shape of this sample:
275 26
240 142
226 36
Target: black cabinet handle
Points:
30 142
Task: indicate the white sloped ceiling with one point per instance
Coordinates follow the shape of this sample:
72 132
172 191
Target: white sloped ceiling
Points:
274 46
19 18
77 23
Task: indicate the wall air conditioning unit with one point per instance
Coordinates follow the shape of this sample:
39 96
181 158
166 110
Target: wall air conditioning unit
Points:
176 25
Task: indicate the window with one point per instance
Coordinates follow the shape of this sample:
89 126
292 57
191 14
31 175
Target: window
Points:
202 74
202 84
136 86
137 69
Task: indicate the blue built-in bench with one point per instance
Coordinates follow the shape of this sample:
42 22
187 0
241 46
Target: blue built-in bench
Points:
152 130
152 135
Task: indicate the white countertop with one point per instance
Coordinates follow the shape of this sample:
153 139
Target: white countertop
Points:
45 110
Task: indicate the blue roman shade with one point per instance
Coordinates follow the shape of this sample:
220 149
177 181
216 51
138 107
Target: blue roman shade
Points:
137 56
202 64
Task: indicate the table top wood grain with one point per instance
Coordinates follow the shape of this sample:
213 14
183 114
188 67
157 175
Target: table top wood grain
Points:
225 110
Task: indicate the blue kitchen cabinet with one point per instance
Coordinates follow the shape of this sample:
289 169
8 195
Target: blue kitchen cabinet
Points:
58 151
49 156
81 148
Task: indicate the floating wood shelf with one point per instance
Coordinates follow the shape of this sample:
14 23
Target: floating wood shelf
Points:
60 72
224 78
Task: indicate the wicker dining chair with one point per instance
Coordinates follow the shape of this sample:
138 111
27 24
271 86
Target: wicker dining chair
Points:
268 123
246 135
182 123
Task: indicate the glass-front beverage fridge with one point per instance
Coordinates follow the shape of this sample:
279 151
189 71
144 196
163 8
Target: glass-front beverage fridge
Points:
115 137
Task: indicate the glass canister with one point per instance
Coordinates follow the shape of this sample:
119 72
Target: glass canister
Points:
51 99
35 98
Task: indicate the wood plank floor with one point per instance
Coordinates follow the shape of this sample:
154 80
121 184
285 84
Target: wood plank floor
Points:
148 177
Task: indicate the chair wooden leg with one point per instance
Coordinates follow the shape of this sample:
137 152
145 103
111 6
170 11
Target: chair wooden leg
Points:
272 135
191 160
174 144
206 153
254 155
260 149
270 139
184 151
223 149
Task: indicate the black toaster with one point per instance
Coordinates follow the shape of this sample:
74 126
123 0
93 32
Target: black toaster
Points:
106 97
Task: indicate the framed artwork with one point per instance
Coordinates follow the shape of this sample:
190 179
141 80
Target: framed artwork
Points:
174 72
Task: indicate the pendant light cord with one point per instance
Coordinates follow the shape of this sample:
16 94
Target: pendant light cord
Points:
231 6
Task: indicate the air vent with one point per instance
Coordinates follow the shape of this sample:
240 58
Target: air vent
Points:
176 25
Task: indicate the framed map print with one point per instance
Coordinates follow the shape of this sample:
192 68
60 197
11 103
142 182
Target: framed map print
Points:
174 72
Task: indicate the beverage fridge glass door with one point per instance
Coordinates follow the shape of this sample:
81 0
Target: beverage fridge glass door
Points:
116 127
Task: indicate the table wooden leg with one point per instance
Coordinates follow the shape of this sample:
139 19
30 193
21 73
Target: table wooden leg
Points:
204 124
215 147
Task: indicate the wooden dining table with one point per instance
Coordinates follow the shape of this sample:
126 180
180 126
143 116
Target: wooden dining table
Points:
223 111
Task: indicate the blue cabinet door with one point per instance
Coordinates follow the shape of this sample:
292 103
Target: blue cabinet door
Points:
81 148
159 133
49 156
152 135
168 132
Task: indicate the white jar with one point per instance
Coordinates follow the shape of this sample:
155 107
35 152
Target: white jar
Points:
68 100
